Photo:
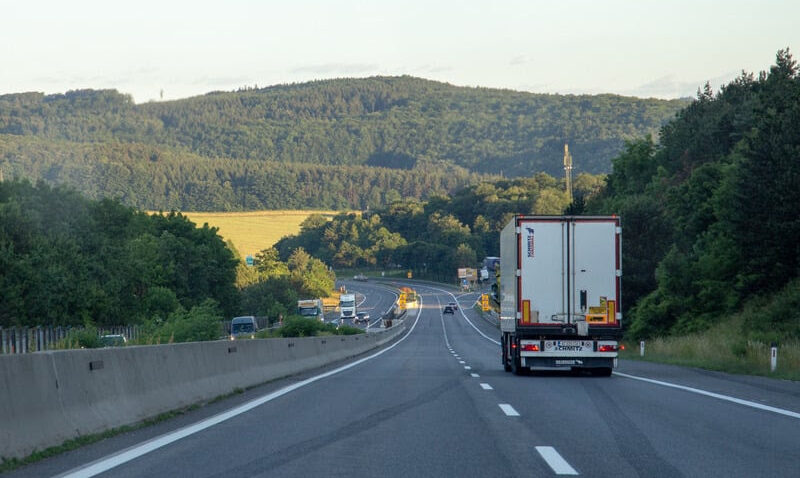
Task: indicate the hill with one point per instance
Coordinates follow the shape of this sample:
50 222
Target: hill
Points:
397 124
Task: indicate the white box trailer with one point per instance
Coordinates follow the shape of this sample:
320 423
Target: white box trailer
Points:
560 293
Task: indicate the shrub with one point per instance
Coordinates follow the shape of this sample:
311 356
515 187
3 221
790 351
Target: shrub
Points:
84 338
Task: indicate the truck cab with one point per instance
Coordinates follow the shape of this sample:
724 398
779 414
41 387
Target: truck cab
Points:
347 306
311 309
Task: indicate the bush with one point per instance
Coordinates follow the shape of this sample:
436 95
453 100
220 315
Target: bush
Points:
296 326
200 323
83 338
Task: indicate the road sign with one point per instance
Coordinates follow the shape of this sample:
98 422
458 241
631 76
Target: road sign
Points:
249 261
485 302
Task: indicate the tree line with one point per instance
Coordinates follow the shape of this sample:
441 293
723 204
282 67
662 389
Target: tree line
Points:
152 178
710 212
435 237
66 260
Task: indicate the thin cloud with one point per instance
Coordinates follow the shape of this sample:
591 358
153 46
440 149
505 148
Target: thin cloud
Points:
336 68
520 60
671 87
433 69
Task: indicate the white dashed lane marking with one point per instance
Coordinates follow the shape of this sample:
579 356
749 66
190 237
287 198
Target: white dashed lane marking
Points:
555 461
508 410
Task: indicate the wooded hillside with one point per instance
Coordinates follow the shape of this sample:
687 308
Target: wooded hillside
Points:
285 146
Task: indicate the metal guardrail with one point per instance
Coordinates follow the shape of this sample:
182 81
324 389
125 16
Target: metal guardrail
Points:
20 340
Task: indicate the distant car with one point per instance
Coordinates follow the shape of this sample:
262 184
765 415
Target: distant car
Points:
362 317
113 340
454 305
448 309
360 277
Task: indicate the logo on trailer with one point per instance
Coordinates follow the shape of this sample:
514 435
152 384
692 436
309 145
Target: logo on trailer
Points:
531 249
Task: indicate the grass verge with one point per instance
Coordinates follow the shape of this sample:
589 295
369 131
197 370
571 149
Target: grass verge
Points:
720 350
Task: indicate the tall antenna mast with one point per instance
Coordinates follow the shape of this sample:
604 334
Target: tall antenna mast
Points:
568 171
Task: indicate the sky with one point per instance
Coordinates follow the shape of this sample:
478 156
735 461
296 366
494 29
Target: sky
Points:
166 50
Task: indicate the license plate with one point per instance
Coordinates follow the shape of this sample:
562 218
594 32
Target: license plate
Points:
568 346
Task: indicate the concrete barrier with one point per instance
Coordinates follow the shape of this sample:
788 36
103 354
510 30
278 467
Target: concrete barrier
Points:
49 397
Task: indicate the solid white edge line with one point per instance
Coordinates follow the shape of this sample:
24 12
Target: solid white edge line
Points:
107 463
555 461
508 410
486 386
739 401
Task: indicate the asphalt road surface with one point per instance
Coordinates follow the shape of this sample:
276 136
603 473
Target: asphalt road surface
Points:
438 403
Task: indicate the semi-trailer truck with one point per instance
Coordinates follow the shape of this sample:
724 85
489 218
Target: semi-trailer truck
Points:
560 293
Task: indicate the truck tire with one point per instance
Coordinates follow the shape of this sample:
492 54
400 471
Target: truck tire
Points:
516 362
504 353
602 372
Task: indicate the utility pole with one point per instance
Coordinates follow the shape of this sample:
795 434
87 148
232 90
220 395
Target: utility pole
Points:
568 171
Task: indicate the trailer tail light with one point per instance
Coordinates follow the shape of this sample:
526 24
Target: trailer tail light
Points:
607 348
530 347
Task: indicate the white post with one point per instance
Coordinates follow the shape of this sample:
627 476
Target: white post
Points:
773 361
641 348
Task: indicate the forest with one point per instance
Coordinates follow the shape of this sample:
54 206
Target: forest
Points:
66 260
710 212
347 143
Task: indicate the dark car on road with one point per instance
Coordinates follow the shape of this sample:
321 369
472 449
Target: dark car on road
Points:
454 305
448 309
362 317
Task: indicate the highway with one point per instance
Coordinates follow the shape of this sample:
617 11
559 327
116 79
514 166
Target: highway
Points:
438 403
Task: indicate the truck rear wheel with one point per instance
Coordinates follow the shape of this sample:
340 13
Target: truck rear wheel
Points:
602 372
504 353
516 362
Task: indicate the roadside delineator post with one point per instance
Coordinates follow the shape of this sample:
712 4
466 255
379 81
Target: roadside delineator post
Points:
773 357
641 348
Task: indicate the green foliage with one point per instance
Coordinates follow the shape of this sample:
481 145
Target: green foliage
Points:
66 260
80 338
200 323
335 144
295 326
272 297
432 238
712 208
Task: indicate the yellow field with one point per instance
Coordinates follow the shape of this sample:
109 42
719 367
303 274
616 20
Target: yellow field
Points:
254 231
